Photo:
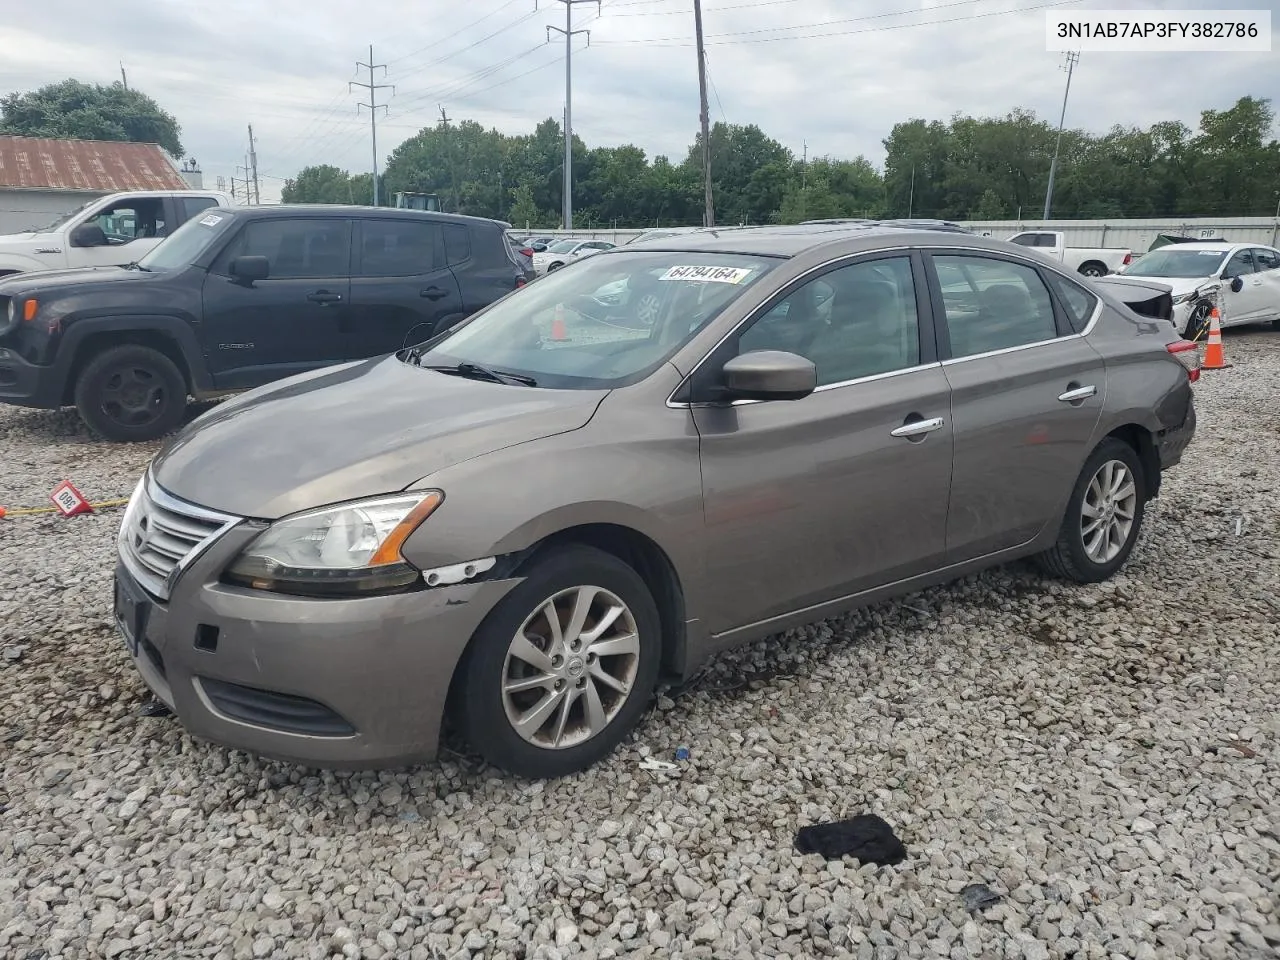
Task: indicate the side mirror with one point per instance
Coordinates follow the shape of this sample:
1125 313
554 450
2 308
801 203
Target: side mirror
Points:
88 235
250 269
1237 284
769 375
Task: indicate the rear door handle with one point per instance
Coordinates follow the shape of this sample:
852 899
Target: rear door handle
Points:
1076 394
917 428
324 296
432 293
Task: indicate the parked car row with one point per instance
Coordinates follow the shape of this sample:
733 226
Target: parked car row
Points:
570 508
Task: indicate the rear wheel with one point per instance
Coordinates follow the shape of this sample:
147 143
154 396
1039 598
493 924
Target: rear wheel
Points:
1093 269
1103 516
131 393
554 267
560 671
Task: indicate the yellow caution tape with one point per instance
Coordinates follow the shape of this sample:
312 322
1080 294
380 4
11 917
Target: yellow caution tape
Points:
33 511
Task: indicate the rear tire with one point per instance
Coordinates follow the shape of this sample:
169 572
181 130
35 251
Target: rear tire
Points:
1093 269
517 645
131 394
1103 517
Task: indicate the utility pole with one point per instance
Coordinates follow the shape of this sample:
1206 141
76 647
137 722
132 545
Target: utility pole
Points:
1073 57
804 180
373 89
911 197
709 215
253 166
123 78
569 32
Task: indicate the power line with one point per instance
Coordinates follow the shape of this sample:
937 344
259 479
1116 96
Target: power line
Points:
435 43
373 89
683 42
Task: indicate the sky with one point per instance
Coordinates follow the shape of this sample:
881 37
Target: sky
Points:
838 88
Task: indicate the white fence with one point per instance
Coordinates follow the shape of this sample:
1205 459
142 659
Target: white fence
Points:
1136 235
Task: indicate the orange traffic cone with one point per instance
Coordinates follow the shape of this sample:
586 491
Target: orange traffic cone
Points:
1214 359
558 331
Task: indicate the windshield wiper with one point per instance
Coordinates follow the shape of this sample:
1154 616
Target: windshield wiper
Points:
476 372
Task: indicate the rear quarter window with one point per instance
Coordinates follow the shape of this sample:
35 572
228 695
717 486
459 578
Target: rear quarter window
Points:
457 243
1078 302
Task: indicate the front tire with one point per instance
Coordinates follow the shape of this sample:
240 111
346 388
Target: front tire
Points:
562 668
1103 518
131 393
1198 322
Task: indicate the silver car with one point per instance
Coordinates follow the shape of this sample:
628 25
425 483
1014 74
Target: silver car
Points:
530 520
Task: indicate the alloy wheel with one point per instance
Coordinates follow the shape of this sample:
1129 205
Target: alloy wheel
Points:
570 667
1108 510
647 308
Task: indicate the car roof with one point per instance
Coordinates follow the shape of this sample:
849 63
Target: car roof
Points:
304 211
792 240
1217 246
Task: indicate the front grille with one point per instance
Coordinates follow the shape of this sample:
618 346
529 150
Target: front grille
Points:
275 711
161 534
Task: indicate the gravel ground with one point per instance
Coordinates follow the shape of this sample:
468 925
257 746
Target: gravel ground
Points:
1105 758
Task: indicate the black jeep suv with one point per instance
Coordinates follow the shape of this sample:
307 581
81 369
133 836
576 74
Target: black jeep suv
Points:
238 297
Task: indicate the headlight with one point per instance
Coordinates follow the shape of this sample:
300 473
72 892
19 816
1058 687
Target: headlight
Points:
344 550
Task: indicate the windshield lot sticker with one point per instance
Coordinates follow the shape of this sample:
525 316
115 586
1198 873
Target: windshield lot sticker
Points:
212 220
708 274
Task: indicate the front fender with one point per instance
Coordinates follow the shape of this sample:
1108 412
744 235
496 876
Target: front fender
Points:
175 329
17 263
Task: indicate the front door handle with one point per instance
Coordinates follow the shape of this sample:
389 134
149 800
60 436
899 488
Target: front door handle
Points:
917 428
323 297
432 293
1077 394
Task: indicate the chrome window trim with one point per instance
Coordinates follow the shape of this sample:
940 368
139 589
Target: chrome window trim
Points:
1035 262
166 501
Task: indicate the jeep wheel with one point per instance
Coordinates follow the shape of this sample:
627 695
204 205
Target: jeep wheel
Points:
131 393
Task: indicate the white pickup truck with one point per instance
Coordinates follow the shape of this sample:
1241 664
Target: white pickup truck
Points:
108 231
1090 261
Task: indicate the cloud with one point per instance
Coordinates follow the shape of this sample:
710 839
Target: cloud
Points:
839 87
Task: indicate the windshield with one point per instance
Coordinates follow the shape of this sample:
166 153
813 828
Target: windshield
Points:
563 246
1177 263
601 322
184 245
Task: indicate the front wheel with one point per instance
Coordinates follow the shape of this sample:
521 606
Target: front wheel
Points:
561 669
131 393
1198 322
1103 516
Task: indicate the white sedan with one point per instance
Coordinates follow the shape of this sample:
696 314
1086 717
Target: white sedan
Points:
1245 276
566 251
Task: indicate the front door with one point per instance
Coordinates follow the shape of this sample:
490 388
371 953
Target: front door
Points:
401 287
1266 262
1027 392
292 321
1249 303
811 500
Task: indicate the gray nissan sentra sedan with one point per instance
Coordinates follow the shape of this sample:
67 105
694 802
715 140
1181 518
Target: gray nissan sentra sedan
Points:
602 480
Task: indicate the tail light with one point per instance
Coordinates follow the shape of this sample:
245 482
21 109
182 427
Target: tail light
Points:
1186 353
1128 259
526 251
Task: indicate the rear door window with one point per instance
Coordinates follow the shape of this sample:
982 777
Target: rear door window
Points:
993 304
398 248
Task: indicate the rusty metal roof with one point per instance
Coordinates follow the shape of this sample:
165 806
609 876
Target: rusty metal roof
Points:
39 163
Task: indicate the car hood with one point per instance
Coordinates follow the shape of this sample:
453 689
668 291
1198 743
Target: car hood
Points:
1177 285
38 280
360 429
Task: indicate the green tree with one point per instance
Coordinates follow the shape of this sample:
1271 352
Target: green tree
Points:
524 212
328 184
72 110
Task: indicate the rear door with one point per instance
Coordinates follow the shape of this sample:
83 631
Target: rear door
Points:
1027 393
401 288
288 323
1267 261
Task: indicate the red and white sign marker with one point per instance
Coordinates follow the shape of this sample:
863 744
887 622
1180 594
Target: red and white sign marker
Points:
69 500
